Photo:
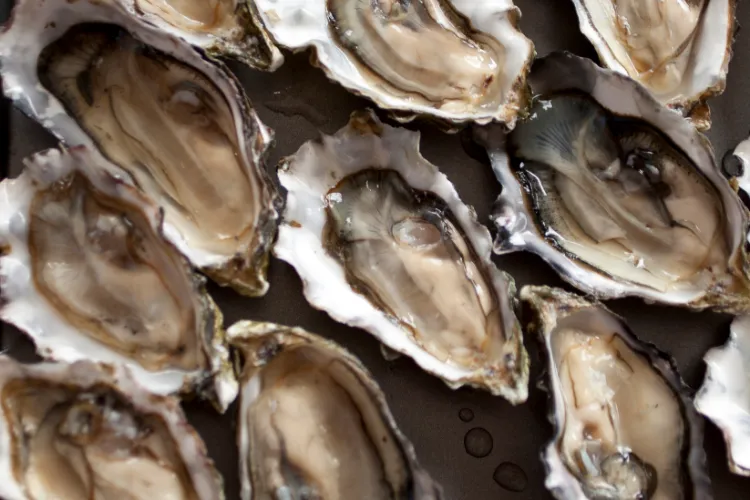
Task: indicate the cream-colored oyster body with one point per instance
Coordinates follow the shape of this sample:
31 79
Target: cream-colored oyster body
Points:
624 423
382 242
456 61
85 430
169 120
87 274
314 424
678 49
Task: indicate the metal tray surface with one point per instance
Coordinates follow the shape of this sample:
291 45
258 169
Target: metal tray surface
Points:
299 102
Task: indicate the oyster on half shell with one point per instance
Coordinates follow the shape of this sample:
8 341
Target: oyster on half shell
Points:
170 121
620 195
314 424
221 27
87 274
678 49
382 242
625 427
457 61
85 430
724 396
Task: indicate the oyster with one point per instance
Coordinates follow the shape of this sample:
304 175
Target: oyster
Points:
88 431
168 120
314 424
621 196
736 166
222 27
457 61
87 274
725 394
625 427
382 242
678 49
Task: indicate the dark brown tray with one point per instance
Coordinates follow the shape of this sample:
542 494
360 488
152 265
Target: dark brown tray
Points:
298 101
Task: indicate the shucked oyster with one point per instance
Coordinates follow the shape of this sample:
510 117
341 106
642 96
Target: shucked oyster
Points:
455 60
725 394
620 195
382 242
87 275
171 122
625 427
314 424
84 431
678 49
222 27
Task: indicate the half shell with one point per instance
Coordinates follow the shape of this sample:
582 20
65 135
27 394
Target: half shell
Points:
314 424
87 274
170 121
89 431
382 242
724 396
457 61
624 423
679 50
620 195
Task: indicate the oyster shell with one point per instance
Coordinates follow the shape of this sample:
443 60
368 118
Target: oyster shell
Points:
454 60
169 120
314 424
624 423
736 166
677 49
87 274
620 195
724 396
382 242
223 27
89 431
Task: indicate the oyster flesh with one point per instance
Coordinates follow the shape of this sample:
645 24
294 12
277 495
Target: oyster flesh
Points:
382 242
725 394
85 430
678 49
454 60
621 196
222 27
314 424
87 274
170 121
625 427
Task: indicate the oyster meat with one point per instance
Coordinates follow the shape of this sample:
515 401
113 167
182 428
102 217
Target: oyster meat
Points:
87 274
314 424
625 427
454 60
678 49
724 396
222 27
169 121
88 431
382 242
621 196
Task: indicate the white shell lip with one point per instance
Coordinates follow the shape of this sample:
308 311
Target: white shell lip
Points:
516 220
324 282
36 23
714 46
724 397
250 45
554 304
23 306
261 342
302 24
84 375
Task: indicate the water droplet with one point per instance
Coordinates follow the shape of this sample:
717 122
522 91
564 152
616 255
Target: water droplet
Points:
478 442
466 415
510 476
